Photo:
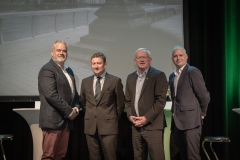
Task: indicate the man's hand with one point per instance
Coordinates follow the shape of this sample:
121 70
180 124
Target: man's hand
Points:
132 119
74 114
77 110
138 121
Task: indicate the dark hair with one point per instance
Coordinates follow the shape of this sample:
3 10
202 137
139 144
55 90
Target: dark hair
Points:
99 55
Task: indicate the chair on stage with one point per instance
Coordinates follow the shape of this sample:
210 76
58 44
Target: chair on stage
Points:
212 139
4 137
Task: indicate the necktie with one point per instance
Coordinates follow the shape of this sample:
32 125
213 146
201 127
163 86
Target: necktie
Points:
98 89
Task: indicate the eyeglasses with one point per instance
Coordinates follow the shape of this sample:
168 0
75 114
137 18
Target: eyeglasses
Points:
142 57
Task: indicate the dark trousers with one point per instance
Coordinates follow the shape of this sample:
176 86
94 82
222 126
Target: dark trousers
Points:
98 144
145 141
174 152
188 142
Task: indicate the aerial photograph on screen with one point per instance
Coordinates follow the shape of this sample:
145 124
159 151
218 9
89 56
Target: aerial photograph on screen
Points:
117 28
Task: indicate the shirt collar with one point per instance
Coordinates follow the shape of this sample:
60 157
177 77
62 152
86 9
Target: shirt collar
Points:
178 72
65 66
144 73
102 75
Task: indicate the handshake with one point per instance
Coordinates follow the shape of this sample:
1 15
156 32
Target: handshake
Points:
75 112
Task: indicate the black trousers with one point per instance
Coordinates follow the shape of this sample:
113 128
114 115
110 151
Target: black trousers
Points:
188 142
174 151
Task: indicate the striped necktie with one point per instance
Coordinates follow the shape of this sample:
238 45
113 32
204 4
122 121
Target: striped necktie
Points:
98 89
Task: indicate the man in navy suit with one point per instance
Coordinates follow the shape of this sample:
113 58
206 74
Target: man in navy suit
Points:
145 99
59 103
102 98
190 100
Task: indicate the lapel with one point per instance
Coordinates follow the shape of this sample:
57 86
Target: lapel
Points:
134 82
171 83
183 74
70 73
146 81
90 86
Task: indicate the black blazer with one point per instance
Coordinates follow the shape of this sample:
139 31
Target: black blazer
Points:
152 99
56 97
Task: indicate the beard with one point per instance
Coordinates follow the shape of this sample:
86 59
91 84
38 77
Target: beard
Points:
59 59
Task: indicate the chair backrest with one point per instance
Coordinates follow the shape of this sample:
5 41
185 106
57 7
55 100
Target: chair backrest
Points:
6 137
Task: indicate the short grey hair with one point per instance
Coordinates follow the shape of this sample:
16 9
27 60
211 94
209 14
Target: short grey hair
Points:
145 50
179 47
59 41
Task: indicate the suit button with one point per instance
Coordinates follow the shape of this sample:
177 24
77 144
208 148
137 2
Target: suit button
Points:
95 116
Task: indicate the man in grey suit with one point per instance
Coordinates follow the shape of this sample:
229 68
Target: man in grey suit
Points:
190 100
145 99
103 101
59 103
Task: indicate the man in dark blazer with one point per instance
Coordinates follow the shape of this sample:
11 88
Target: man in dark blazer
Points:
103 109
190 100
59 103
145 99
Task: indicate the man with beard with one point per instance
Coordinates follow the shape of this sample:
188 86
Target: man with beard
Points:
59 103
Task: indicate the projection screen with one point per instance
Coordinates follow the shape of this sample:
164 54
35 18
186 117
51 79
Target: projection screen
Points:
116 28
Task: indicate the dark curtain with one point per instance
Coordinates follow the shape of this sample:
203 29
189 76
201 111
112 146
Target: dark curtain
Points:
206 43
211 31
21 147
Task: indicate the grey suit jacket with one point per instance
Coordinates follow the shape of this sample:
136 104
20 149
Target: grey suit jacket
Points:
56 97
104 114
152 99
191 100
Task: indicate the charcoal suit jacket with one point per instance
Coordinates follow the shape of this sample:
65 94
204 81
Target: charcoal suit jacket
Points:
191 100
56 97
